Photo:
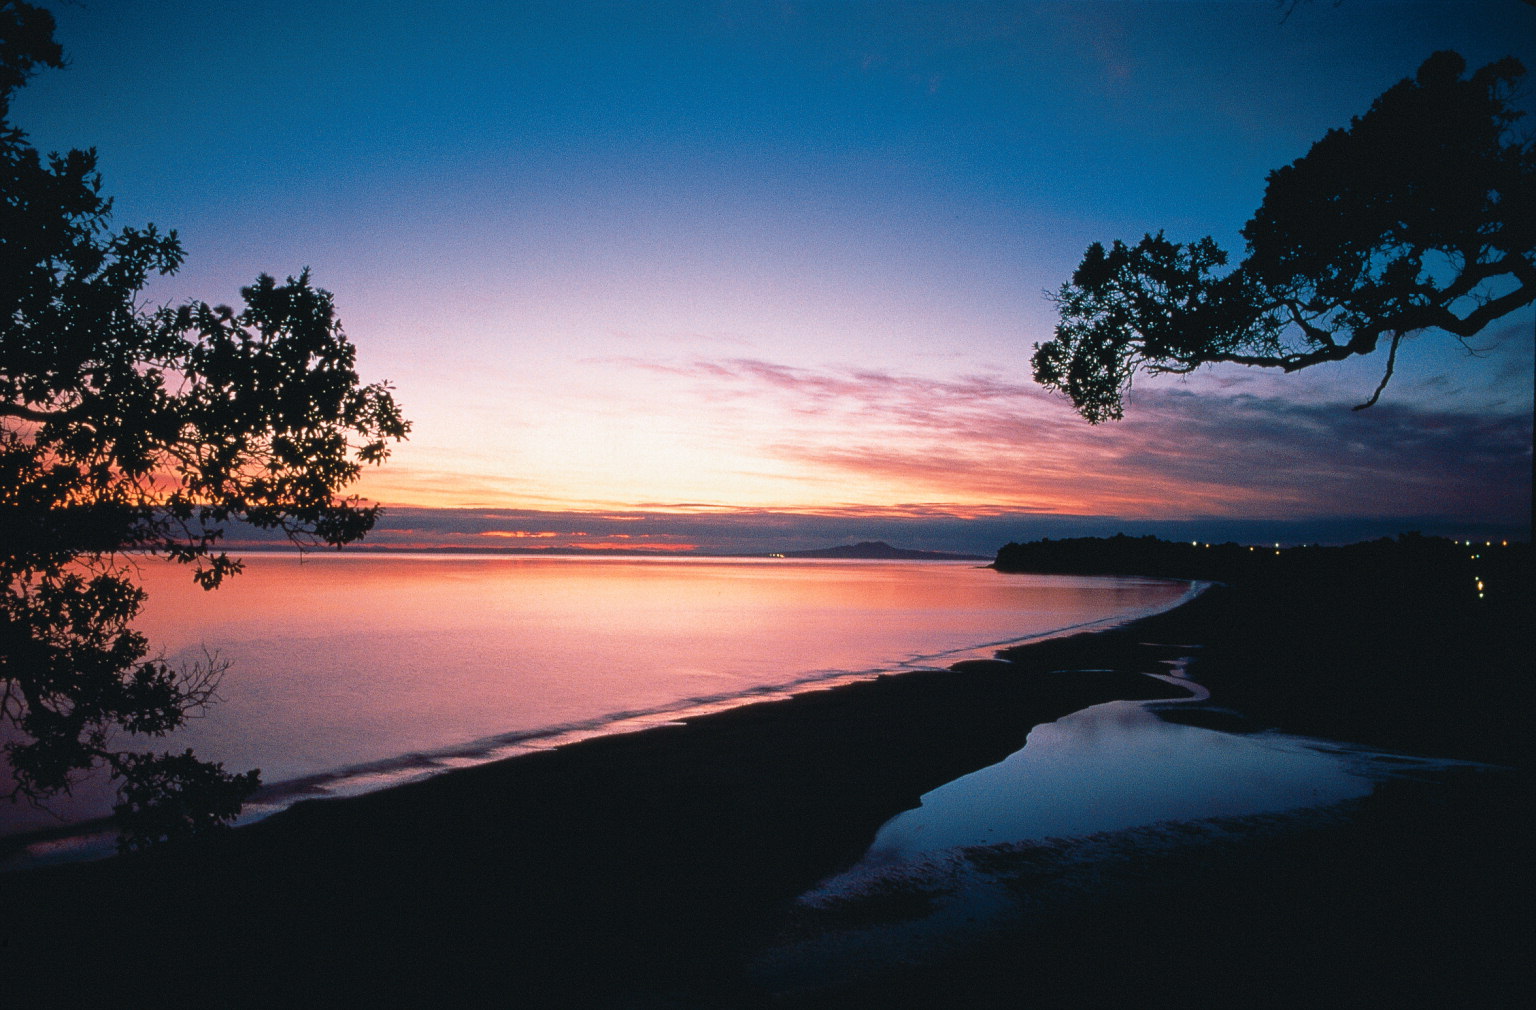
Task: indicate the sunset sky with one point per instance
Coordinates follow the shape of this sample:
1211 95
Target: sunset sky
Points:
758 275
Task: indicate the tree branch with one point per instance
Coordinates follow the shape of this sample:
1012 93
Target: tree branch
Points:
42 416
1315 333
1469 325
1397 338
1285 362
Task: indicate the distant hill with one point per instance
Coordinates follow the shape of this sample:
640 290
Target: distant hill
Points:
878 550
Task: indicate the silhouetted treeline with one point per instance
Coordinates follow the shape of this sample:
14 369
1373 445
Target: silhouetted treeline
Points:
1462 569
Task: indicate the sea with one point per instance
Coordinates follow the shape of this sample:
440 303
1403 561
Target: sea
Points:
349 672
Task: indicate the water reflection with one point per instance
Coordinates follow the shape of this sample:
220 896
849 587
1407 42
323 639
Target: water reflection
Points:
354 671
1118 766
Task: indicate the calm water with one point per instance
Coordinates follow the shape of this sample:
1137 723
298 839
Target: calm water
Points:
352 671
1097 791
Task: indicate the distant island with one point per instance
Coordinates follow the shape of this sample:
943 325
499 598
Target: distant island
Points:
879 550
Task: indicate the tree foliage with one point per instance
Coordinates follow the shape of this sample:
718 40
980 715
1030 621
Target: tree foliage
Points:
1421 215
128 433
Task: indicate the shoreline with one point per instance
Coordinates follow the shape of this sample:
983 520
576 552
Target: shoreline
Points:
645 869
94 838
640 846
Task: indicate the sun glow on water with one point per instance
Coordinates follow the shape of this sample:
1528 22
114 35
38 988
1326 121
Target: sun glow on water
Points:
358 662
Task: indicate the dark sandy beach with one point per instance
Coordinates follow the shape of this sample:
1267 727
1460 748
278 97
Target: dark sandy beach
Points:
645 870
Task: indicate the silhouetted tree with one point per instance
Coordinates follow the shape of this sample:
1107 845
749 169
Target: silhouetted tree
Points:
126 432
1420 216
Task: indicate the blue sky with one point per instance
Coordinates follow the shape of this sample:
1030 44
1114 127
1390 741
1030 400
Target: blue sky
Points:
748 261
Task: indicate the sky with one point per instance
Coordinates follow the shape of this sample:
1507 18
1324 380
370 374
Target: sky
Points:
743 276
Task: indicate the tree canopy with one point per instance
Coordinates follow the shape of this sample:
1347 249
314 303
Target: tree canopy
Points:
127 433
1421 215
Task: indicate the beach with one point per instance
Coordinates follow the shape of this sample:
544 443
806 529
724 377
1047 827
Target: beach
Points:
651 869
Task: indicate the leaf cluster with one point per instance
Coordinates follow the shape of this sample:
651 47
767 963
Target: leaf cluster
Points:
1421 215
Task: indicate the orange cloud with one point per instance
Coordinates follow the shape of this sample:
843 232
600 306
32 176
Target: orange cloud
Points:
525 534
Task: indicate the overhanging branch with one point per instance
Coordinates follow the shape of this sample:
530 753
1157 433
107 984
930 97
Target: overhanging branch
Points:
26 413
1386 377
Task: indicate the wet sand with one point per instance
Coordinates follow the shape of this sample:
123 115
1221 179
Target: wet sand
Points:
645 870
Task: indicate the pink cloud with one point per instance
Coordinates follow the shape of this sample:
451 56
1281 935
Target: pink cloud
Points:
983 438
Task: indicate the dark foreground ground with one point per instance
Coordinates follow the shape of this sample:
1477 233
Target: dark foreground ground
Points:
644 870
